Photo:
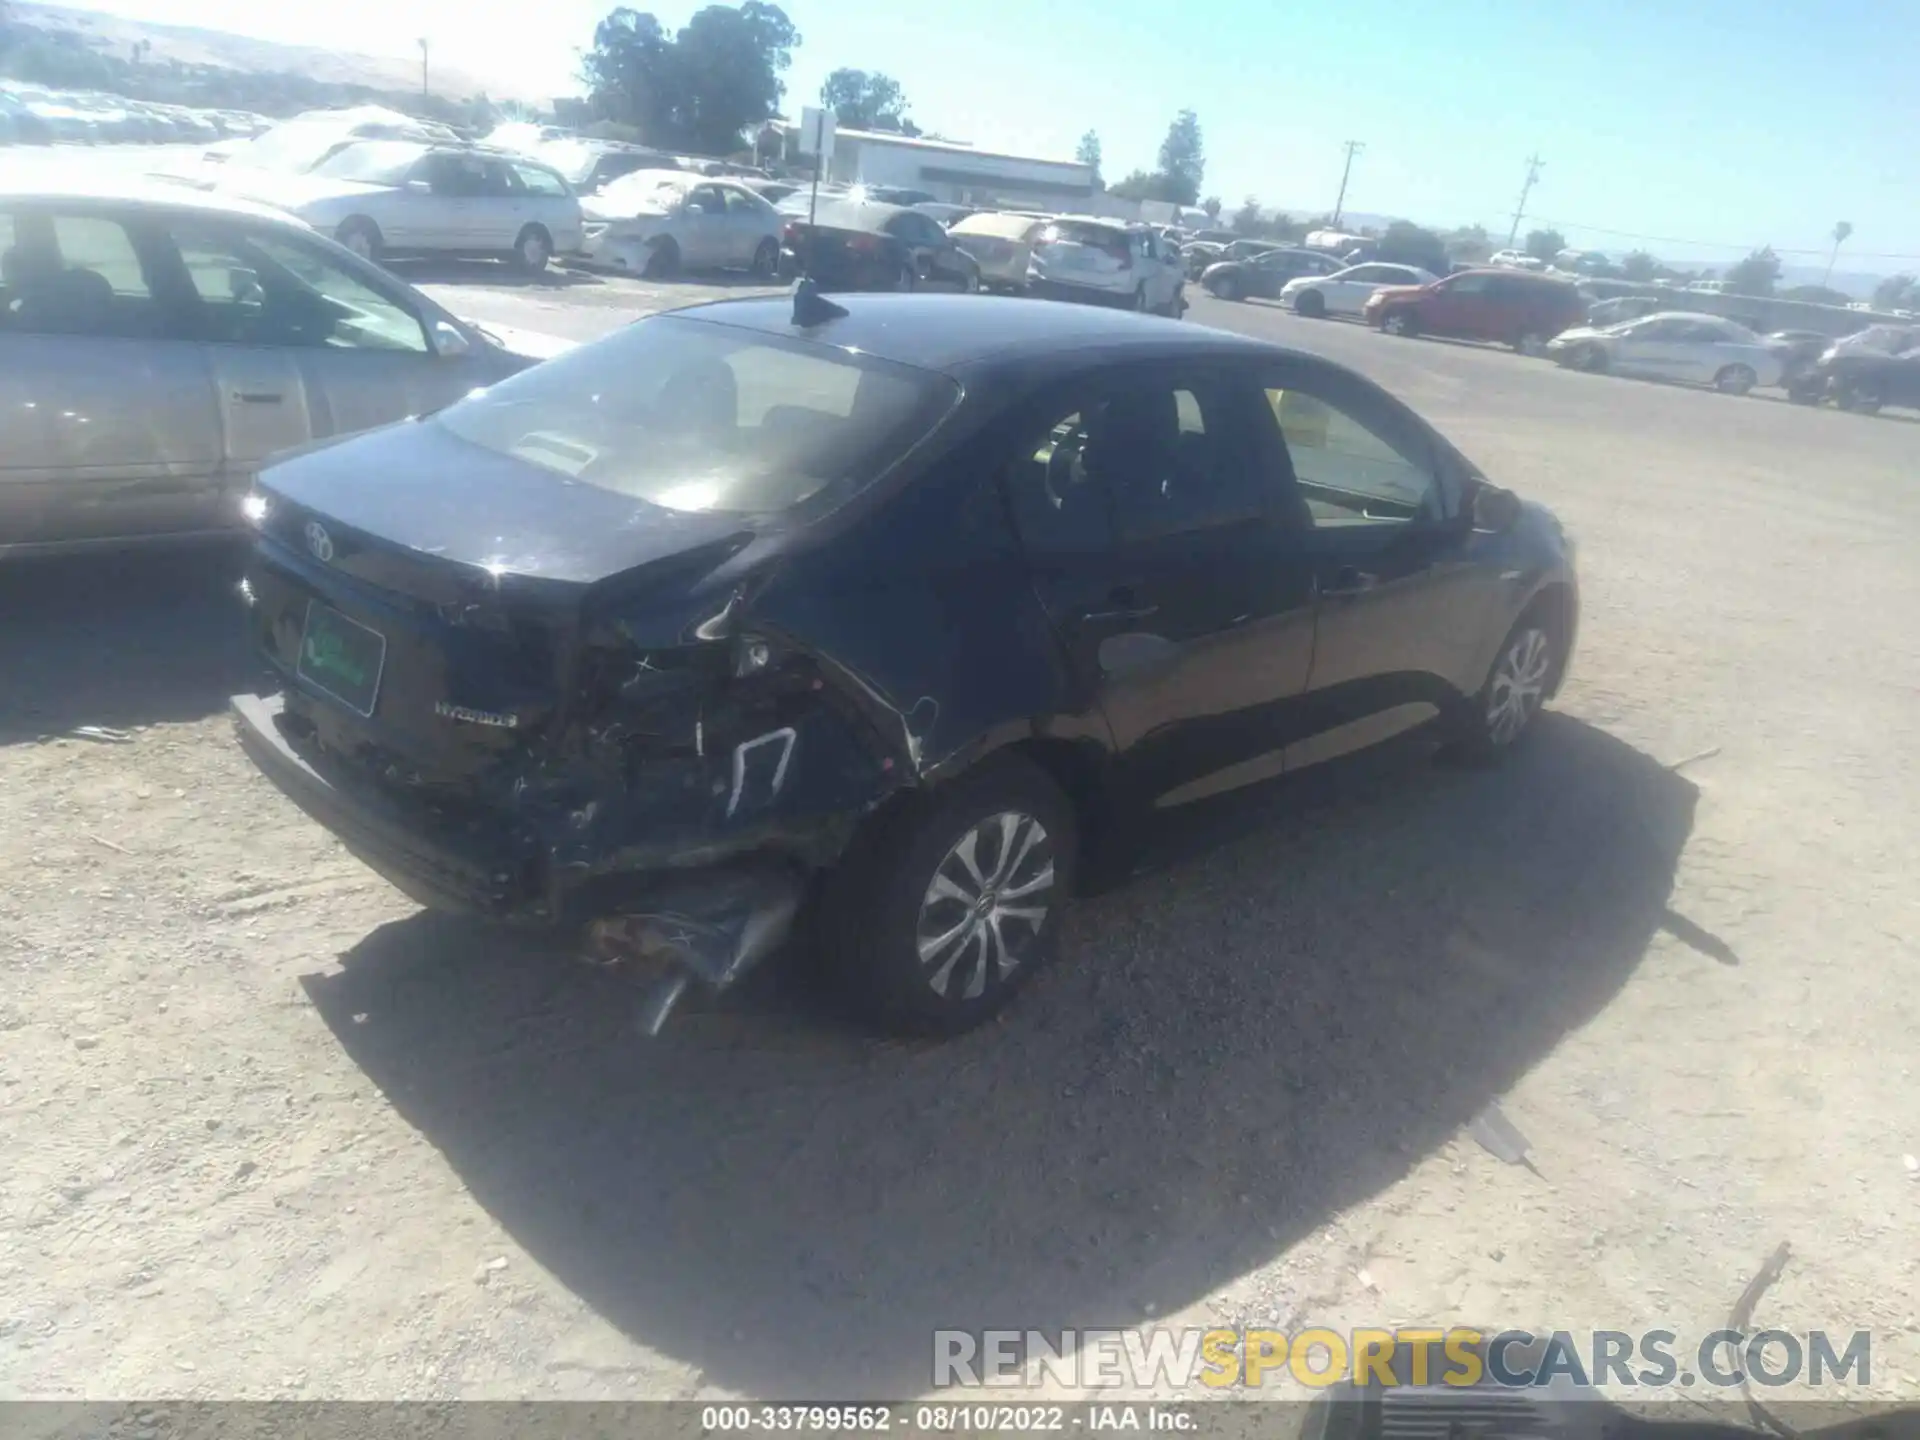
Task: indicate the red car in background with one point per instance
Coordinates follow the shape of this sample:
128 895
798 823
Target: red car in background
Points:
1513 307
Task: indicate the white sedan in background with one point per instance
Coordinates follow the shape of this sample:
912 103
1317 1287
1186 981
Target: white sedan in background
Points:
655 222
382 198
1345 291
1675 345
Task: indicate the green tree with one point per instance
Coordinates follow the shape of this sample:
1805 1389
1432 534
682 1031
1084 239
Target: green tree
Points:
1212 206
1896 292
1088 154
1545 244
863 100
1755 275
1183 158
1639 265
1247 219
1149 185
700 88
1404 243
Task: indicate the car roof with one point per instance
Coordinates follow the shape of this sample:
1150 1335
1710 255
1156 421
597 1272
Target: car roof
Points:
28 183
947 332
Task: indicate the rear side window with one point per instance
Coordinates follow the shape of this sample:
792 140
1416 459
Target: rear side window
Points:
699 417
74 275
1099 237
538 181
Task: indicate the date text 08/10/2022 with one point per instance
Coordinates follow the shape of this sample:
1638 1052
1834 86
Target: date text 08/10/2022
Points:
943 1418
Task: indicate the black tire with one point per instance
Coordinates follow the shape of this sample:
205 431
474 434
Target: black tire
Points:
766 258
1487 731
362 236
662 261
880 913
1226 288
532 250
1590 358
1400 321
1735 379
1140 304
1311 304
1862 400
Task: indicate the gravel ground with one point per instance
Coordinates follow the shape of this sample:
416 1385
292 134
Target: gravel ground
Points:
274 1132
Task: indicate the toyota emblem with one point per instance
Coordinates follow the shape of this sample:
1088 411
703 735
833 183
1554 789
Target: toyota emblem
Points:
319 542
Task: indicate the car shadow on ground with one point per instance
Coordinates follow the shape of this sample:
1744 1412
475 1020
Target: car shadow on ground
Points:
119 641
1310 990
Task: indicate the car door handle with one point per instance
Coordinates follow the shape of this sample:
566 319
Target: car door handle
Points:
257 397
1348 581
1122 605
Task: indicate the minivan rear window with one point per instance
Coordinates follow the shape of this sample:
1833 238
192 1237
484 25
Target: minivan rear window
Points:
694 416
1100 237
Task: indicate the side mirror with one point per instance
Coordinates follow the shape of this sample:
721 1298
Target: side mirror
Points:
1495 510
449 341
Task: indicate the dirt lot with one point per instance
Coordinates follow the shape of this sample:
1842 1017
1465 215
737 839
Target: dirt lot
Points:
273 1132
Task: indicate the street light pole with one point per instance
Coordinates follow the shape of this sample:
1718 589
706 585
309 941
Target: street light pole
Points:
423 67
1534 162
1354 147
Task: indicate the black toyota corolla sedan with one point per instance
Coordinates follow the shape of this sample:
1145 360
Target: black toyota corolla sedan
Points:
887 603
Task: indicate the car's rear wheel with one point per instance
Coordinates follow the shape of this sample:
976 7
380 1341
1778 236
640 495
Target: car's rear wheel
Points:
1862 399
1399 322
663 260
1141 304
944 908
361 236
1310 303
1735 380
1226 288
532 250
1590 358
766 258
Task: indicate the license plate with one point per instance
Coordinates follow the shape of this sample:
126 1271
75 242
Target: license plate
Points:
342 657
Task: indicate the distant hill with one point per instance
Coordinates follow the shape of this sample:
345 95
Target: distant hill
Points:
185 45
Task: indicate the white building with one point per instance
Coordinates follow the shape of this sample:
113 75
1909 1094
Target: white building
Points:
960 174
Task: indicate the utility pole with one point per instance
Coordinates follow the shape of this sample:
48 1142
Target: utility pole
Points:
1354 147
423 67
1534 162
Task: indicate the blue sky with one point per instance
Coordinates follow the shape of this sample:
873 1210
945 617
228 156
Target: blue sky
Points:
1715 125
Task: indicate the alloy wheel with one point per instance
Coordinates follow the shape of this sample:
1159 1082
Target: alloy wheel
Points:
359 242
986 904
1519 684
1395 323
533 251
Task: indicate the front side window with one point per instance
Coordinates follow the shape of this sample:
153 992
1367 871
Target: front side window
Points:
708 200
742 202
257 288
1347 472
1472 284
699 417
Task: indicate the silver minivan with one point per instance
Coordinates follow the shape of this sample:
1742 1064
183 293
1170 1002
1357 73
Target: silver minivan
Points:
158 343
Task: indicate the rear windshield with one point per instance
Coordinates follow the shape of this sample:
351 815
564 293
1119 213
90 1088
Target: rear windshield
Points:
701 417
1076 232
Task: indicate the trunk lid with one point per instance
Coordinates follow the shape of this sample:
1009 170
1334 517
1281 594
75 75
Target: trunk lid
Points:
463 604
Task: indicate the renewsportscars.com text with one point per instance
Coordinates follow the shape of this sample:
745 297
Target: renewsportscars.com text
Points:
1222 1358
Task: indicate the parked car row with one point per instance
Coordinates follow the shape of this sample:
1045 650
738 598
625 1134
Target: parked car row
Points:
36 115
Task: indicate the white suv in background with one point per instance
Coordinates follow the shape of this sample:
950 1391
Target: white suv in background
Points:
383 198
1107 262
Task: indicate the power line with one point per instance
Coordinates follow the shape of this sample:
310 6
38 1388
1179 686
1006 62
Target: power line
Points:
1534 162
1354 147
1711 244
